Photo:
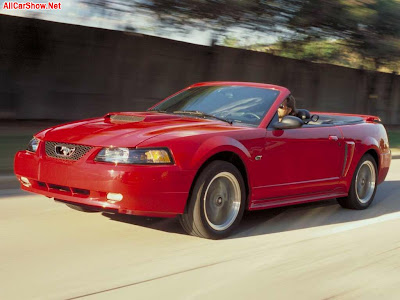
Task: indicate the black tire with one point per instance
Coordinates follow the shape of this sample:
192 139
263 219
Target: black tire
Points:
82 208
214 208
364 180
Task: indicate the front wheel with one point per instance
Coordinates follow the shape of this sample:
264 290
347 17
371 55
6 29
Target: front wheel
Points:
217 202
363 186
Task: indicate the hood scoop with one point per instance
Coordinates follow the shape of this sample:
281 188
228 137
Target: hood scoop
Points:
127 117
124 118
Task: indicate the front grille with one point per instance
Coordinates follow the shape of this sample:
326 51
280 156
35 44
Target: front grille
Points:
80 150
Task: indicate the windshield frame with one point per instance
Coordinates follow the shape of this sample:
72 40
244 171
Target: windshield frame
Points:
237 122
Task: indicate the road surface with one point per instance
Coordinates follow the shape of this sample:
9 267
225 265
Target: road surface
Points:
313 251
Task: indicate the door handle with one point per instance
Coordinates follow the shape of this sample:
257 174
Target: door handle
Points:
333 138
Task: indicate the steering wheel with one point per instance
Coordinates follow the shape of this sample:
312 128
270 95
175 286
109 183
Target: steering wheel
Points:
253 115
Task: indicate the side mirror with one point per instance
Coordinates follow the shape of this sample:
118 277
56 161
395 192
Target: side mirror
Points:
289 122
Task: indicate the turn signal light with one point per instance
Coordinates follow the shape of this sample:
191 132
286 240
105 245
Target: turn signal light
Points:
25 181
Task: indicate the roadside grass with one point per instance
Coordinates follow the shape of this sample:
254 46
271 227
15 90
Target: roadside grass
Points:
394 138
15 136
9 145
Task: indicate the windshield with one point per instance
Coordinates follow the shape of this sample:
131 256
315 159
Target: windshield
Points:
234 103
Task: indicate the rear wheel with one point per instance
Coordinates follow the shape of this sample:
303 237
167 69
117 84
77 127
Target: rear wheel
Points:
217 202
363 187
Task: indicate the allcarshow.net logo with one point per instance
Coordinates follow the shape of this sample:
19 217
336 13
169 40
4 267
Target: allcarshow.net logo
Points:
31 6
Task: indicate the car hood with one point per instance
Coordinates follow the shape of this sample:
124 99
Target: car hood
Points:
127 129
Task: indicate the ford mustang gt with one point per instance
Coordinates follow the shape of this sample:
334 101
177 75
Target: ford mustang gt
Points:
205 155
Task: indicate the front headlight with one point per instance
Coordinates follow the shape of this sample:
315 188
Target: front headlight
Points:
33 145
134 156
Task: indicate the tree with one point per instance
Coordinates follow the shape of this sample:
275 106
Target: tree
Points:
116 6
369 27
217 15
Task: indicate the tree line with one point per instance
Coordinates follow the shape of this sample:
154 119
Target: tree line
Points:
357 33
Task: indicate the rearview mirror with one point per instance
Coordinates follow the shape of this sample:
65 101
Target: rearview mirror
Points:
288 122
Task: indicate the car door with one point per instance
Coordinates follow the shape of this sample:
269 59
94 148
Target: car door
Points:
299 161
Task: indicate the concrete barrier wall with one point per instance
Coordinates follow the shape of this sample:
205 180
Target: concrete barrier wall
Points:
58 71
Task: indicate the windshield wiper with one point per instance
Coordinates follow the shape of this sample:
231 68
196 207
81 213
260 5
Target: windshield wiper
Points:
156 110
201 114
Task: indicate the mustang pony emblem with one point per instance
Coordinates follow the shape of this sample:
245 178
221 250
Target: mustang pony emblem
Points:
64 150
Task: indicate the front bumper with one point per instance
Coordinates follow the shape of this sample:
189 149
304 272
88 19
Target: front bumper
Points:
159 190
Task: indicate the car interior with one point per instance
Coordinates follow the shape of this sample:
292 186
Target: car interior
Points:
321 120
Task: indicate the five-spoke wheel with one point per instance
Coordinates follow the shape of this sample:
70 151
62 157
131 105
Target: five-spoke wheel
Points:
363 185
217 201
222 201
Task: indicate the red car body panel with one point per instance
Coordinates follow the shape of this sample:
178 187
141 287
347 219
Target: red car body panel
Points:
296 165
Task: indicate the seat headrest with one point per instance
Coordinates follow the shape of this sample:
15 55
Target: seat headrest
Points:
303 114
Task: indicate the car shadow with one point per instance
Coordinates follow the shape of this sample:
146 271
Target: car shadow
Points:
170 225
288 218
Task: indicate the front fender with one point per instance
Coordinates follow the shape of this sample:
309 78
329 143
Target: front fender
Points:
216 145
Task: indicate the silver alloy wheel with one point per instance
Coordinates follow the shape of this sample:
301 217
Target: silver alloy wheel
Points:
222 201
365 181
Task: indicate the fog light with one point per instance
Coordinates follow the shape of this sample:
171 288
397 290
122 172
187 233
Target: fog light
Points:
25 181
114 197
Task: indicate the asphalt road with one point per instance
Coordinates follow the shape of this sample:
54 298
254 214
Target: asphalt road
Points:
313 251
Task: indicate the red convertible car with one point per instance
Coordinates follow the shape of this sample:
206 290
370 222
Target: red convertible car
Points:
206 154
